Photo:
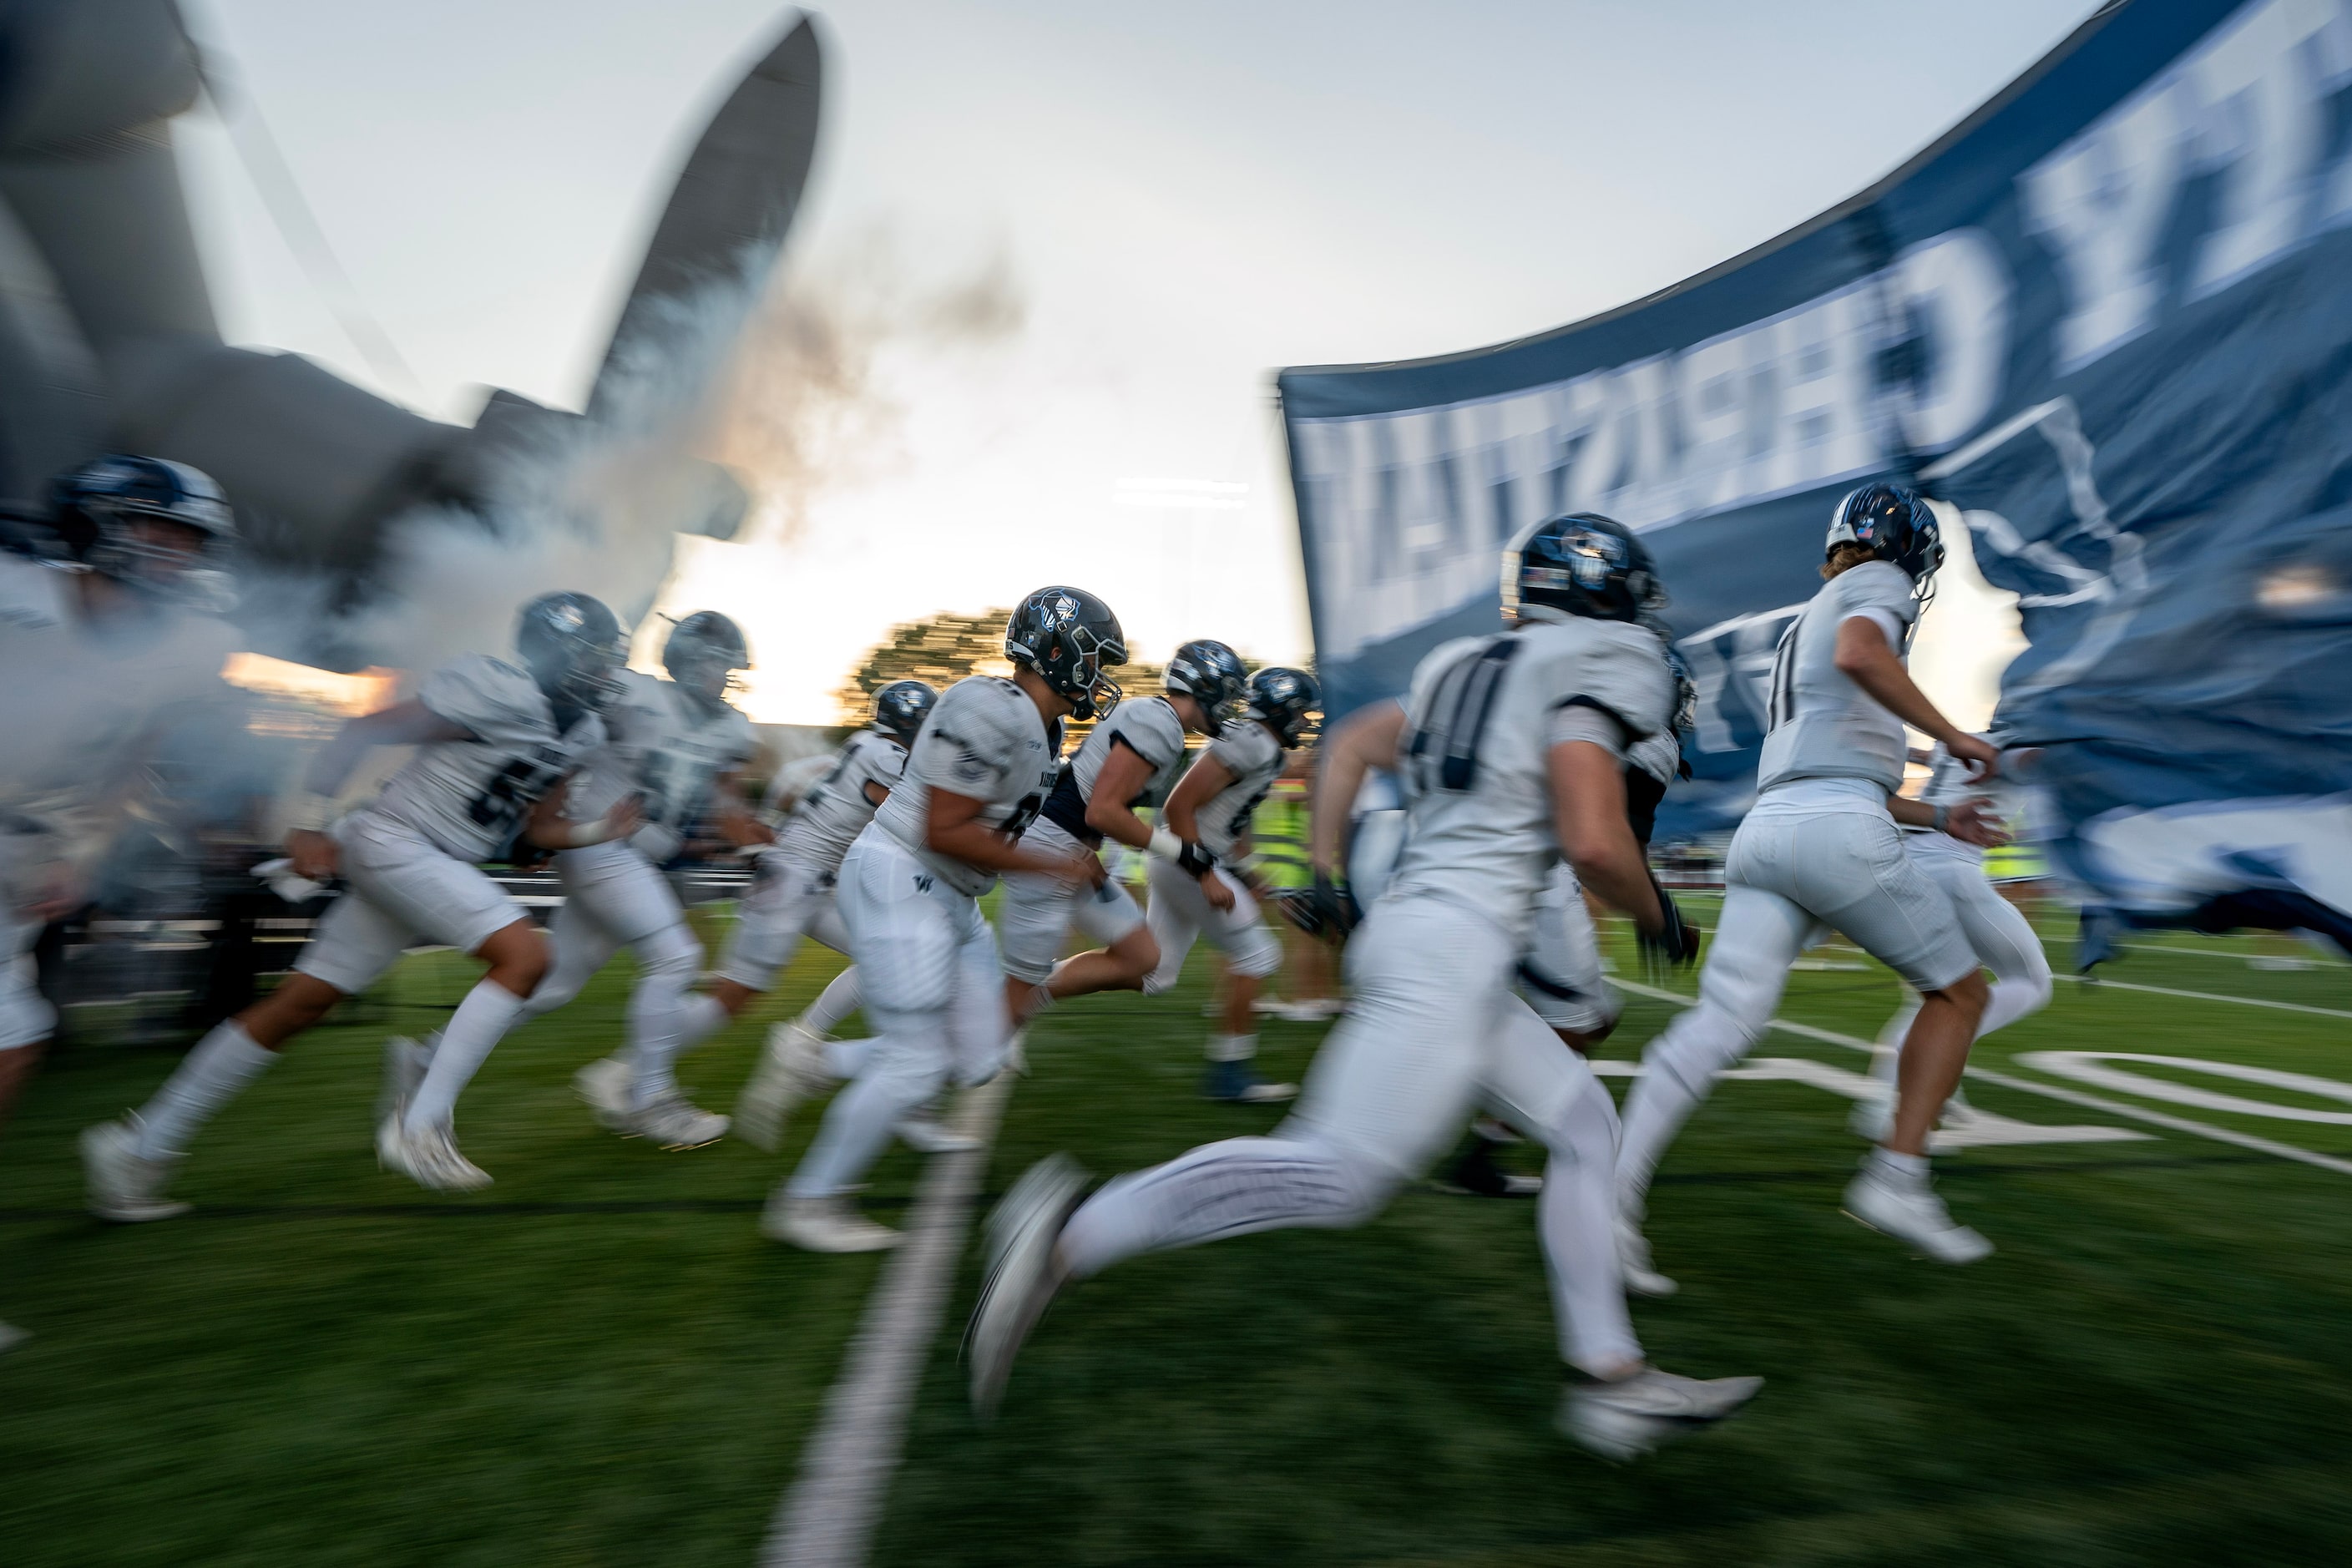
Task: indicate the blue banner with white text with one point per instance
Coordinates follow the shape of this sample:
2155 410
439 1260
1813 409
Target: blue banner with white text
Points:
2108 318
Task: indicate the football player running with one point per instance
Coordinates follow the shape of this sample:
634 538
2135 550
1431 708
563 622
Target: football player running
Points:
105 631
1132 753
678 746
1819 848
1512 750
795 896
1210 810
108 632
496 745
910 891
1998 931
1561 975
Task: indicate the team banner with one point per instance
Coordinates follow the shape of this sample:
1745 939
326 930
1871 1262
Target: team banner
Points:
2108 317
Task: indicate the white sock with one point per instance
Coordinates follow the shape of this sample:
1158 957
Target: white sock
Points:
473 1031
698 1020
207 1078
1232 1048
842 996
1899 1170
2010 1001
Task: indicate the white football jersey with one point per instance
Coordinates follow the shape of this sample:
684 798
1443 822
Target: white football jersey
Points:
984 740
664 744
78 705
1821 724
1249 750
1148 727
1948 785
469 798
835 810
1474 754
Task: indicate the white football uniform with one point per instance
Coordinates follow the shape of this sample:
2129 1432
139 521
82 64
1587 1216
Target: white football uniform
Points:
1434 1032
78 709
408 857
1179 913
928 961
668 748
1818 850
1561 975
1997 930
793 894
1037 913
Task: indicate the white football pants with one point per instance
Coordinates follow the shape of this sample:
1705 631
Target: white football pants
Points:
1787 878
1434 1034
934 994
25 1017
1181 914
615 897
2004 938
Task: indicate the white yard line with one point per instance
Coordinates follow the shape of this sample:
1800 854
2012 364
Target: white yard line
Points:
2202 995
2127 986
826 1519
2049 1091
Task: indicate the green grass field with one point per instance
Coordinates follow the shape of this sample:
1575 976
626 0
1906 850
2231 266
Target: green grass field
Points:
599 1362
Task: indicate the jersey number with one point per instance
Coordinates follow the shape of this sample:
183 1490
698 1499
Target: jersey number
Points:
513 789
1781 707
1022 815
1443 750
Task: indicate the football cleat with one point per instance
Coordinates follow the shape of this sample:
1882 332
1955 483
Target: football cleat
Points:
1023 1273
1634 1263
604 1087
429 1158
1238 1083
922 1130
123 1186
674 1122
1626 1419
790 1069
1913 1213
824 1225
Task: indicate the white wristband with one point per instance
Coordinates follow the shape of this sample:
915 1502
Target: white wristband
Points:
583 834
307 811
1165 844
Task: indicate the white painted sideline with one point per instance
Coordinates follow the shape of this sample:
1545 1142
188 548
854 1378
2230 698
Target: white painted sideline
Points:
826 1519
2048 1091
2204 995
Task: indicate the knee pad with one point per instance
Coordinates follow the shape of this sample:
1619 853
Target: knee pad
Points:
670 954
1697 1046
1257 955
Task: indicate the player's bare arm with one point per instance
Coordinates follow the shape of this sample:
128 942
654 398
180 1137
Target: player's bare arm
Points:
1588 790
1971 821
1367 739
409 723
953 828
1125 775
547 827
1200 784
1864 658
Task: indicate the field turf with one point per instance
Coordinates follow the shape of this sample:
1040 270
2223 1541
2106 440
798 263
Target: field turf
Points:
598 1361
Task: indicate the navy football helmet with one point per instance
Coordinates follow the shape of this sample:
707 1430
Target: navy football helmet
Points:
900 708
1579 564
703 653
1894 524
98 507
1290 700
574 648
1069 637
1212 675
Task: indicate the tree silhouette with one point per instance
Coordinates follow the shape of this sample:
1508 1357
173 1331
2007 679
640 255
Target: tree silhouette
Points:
943 649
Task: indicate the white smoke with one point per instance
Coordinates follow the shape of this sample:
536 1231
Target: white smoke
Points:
782 388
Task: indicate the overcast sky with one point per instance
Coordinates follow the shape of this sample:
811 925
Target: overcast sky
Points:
1181 199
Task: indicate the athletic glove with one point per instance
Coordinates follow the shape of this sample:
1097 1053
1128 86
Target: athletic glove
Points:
1327 909
1673 947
